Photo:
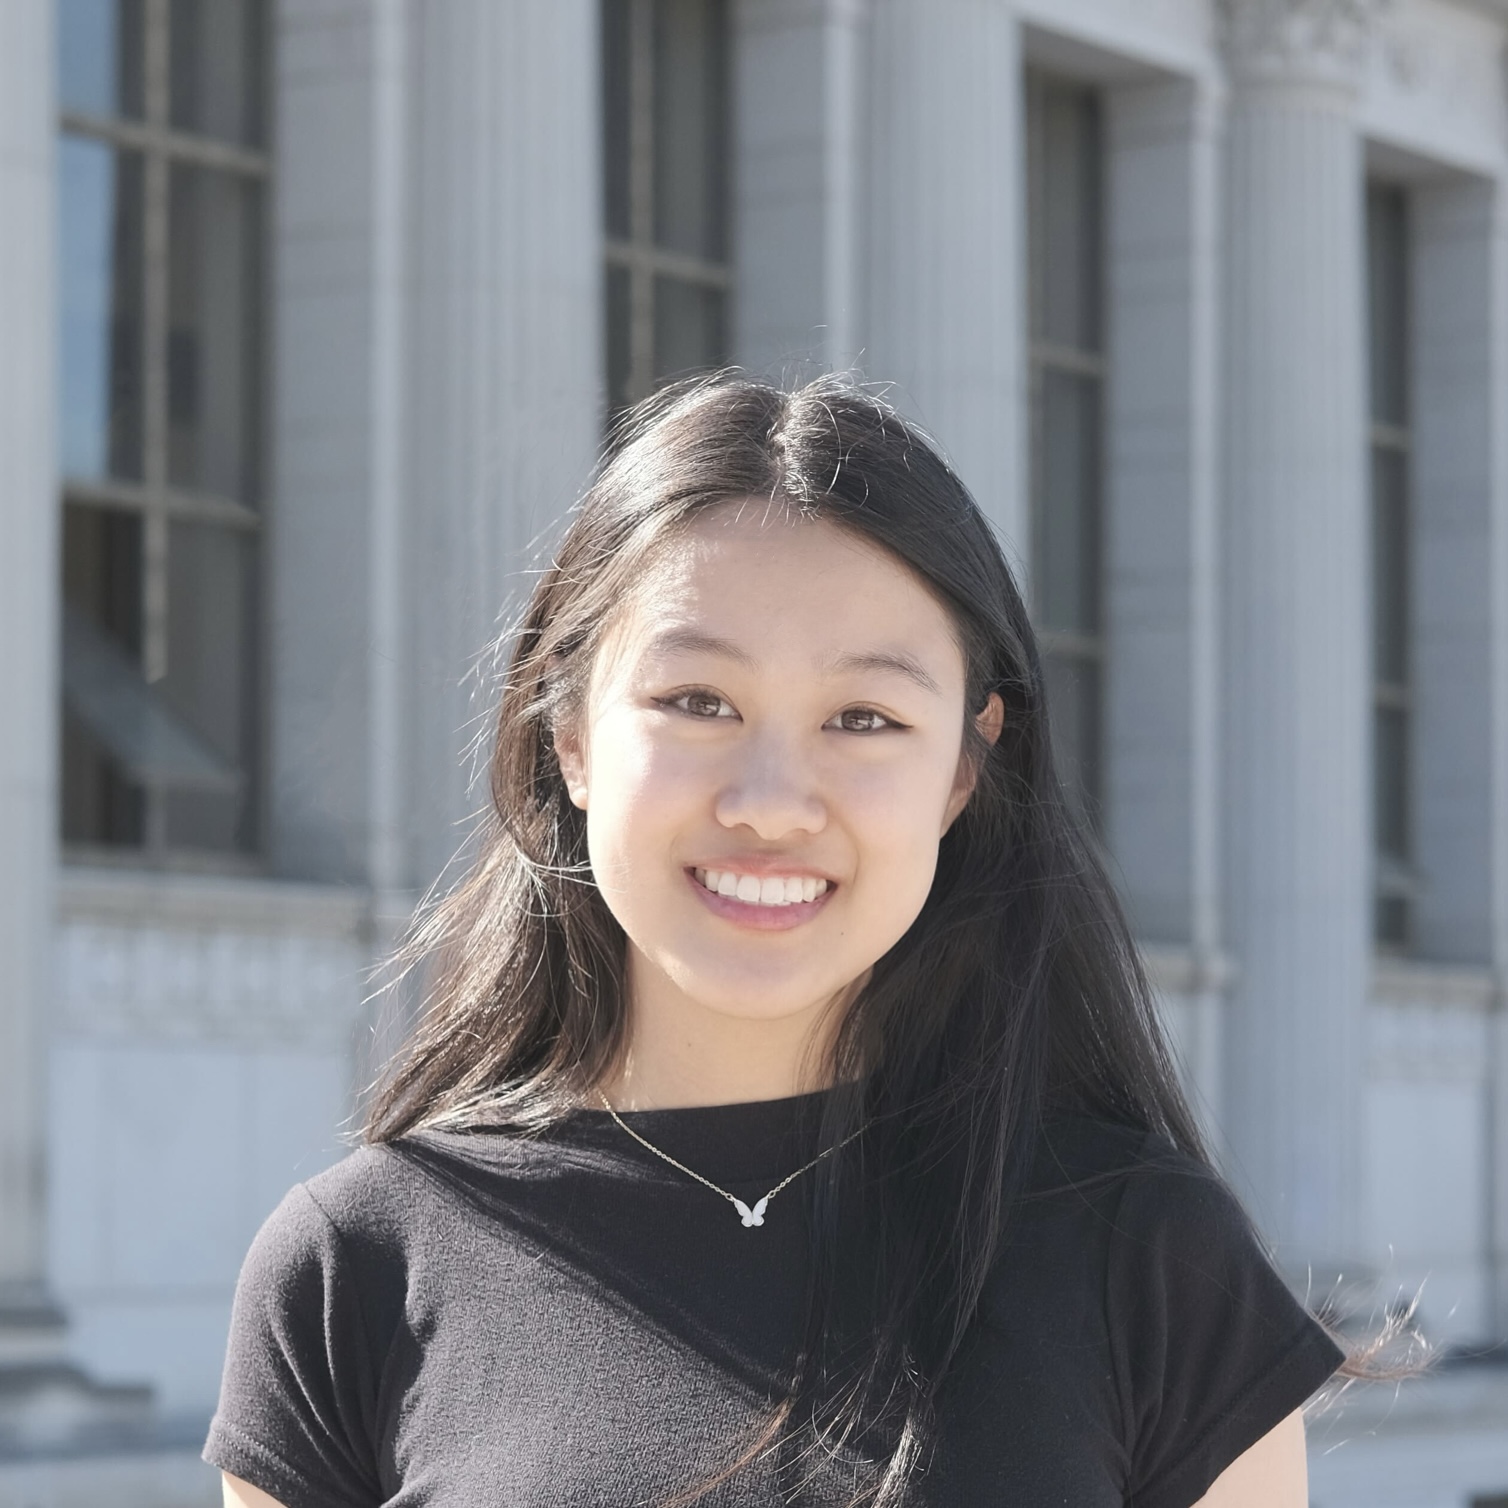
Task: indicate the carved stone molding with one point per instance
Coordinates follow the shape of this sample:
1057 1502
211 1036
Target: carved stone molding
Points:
1301 41
1427 1043
208 986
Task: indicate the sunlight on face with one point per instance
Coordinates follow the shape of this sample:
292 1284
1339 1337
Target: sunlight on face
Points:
778 713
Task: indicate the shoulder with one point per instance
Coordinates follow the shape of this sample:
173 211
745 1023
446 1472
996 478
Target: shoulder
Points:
1207 1347
391 1208
1163 1217
1094 1189
355 1198
317 1305
340 1236
1073 1149
368 1192
1122 1178
1082 1148
1150 1236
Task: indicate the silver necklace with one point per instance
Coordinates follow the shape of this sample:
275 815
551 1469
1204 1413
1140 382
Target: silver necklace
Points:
751 1215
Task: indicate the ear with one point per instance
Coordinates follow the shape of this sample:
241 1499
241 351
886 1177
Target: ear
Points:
572 761
989 722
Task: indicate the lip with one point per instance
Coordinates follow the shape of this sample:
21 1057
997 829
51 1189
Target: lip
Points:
763 864
761 918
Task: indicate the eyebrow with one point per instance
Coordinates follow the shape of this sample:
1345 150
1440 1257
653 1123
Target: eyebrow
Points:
688 641
890 662
884 661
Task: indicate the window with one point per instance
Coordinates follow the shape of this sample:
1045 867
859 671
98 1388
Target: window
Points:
1065 214
1388 362
665 209
162 178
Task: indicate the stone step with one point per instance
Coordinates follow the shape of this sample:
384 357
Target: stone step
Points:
54 1405
149 1478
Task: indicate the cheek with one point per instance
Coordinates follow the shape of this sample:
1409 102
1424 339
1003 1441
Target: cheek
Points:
896 815
639 795
899 806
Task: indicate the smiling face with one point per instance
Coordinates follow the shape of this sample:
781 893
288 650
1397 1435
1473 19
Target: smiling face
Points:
770 751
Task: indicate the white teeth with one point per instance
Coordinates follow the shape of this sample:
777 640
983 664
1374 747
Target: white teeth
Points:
774 890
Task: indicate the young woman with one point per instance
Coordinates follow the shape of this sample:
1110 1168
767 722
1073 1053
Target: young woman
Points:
788 1120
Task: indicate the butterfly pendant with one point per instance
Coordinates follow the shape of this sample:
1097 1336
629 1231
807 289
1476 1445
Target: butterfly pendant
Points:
753 1216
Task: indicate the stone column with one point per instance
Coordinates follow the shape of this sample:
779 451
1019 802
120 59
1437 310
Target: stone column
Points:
1459 584
503 341
799 152
1296 687
1458 491
341 669
337 643
943 237
1162 561
29 665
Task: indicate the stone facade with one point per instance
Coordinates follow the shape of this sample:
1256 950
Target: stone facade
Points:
175 1050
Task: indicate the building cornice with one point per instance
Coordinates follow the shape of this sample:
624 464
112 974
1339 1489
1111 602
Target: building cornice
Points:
211 903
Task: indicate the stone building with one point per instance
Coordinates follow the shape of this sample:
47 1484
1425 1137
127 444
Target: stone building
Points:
311 315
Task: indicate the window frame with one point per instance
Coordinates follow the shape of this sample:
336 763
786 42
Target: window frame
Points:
1394 878
638 254
1046 356
154 500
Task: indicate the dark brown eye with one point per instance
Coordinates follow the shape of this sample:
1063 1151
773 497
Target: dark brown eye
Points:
861 720
701 703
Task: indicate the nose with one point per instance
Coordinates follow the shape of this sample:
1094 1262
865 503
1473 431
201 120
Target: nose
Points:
771 790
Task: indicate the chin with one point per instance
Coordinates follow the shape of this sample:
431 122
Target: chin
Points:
758 1000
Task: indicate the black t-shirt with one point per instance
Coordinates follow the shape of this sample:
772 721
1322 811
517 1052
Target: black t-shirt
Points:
481 1318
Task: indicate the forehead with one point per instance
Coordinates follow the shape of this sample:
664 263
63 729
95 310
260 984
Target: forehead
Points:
762 574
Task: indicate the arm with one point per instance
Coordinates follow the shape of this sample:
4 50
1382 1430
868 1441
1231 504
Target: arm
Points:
239 1494
1273 1473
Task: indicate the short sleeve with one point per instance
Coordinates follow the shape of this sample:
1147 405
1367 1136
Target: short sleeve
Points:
297 1401
1211 1349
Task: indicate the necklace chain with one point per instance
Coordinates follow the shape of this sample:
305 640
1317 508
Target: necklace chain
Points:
751 1215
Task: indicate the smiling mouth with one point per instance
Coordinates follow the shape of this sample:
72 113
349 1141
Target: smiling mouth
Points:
761 890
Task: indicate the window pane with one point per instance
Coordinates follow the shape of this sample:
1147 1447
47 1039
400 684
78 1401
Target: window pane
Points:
212 338
1387 290
100 303
689 93
1073 702
100 57
615 116
100 805
210 679
102 559
1391 783
102 553
1066 207
619 349
217 62
1390 557
1068 490
688 327
1392 921
1388 364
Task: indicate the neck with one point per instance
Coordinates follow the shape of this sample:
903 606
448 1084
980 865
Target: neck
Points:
683 1054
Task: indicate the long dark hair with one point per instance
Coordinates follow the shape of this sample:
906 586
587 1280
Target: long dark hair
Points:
1017 993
